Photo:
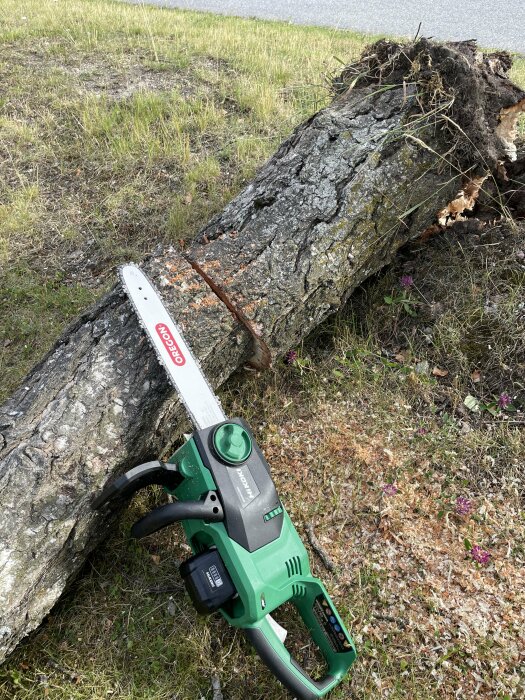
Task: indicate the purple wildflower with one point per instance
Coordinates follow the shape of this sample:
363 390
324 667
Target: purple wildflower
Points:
422 431
390 489
406 281
290 357
480 555
463 506
504 400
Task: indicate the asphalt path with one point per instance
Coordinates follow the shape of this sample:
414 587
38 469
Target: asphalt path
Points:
494 23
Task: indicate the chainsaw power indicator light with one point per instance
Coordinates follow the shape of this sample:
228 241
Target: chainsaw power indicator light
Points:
333 629
273 513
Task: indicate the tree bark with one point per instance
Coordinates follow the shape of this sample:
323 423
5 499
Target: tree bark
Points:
329 209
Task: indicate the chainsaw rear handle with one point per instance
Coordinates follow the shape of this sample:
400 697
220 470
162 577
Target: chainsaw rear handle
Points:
283 665
328 633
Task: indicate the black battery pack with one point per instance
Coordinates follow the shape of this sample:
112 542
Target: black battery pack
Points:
207 581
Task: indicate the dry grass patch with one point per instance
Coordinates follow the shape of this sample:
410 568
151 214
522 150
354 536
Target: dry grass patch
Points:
429 621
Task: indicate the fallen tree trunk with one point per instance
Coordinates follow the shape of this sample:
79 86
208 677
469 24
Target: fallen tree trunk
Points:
330 208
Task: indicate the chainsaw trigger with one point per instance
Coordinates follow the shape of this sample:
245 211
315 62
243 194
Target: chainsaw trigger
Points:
209 510
122 488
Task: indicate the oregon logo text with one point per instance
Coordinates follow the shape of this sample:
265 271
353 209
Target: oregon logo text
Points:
170 344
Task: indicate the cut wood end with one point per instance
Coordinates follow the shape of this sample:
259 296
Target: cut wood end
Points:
464 201
507 127
261 358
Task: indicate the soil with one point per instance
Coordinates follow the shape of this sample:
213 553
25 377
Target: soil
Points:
439 75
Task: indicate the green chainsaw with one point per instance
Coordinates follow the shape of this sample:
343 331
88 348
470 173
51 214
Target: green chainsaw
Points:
247 556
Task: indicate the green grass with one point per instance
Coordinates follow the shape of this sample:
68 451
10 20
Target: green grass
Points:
122 126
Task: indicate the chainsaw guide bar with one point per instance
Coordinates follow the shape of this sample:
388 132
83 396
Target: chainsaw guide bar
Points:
172 351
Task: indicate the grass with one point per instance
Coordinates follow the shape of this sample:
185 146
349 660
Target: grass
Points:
121 126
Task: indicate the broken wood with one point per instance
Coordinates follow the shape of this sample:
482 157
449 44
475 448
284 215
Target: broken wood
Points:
409 125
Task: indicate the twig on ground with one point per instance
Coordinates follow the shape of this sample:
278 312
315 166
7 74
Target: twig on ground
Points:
389 618
318 549
61 669
216 687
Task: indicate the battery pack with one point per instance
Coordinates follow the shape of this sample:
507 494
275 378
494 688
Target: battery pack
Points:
207 581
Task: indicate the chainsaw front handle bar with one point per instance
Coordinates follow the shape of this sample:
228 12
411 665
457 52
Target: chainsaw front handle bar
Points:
164 474
209 510
122 488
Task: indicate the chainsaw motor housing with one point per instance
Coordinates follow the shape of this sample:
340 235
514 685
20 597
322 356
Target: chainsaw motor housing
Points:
246 490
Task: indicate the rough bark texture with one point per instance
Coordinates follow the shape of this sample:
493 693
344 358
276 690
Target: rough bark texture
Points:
330 208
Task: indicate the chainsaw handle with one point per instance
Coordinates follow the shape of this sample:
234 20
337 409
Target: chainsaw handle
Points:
281 663
210 510
263 636
124 486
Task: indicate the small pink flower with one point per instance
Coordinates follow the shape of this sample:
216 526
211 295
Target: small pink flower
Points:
463 506
406 281
480 555
290 357
421 431
390 489
504 400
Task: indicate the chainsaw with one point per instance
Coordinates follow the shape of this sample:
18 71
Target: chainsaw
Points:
248 558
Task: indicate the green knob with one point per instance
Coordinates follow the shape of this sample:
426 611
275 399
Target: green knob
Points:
232 443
